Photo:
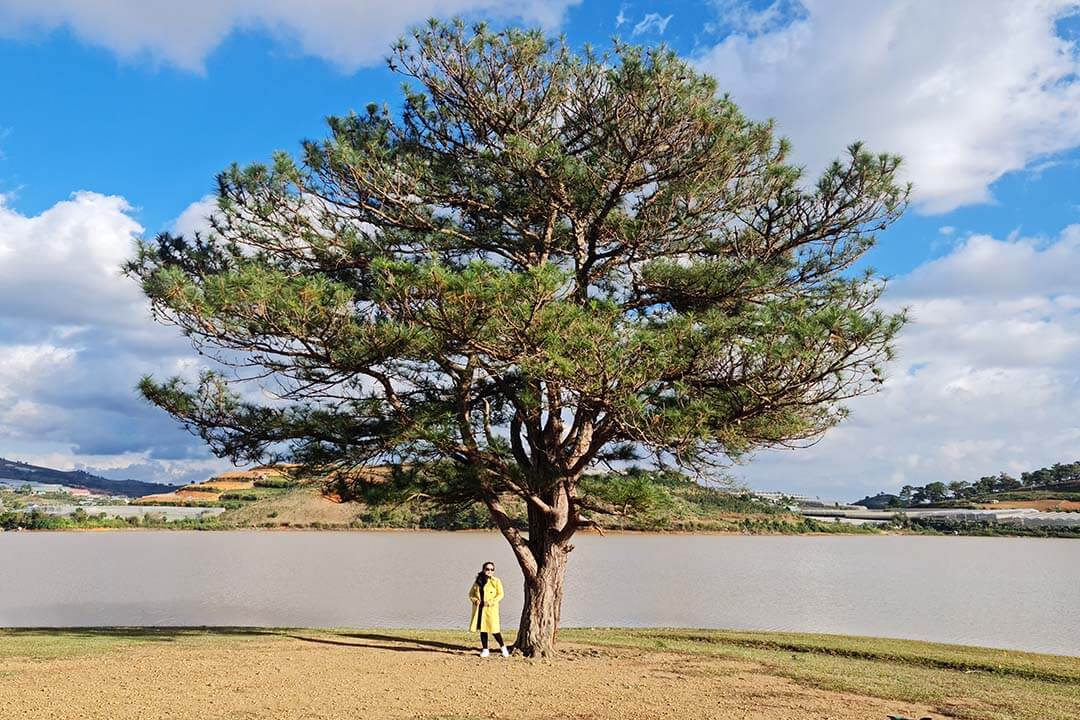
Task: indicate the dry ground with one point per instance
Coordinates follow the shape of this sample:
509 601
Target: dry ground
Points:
1043 505
300 506
187 493
354 674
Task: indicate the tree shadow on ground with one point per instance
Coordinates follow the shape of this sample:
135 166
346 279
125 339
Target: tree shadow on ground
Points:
390 642
380 641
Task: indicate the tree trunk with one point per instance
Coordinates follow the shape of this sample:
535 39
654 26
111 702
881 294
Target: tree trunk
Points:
542 603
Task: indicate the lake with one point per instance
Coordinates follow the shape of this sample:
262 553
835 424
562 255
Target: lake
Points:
1021 593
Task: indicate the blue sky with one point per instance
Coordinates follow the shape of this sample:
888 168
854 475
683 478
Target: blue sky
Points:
117 115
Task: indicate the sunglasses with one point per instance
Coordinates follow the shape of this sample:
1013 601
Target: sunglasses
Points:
489 569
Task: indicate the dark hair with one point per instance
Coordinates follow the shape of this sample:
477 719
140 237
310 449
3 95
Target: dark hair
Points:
481 578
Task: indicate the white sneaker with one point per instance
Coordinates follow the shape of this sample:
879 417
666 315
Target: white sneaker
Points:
485 652
505 651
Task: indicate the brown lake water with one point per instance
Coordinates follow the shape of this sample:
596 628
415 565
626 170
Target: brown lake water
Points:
1021 593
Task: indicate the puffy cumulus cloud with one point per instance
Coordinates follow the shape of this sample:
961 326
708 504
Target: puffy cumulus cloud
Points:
987 267
987 377
965 91
196 217
62 267
349 33
75 336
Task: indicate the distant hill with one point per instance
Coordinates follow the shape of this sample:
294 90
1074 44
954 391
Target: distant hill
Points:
23 472
881 501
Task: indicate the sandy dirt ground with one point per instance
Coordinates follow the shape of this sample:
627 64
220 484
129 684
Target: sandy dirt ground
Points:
313 676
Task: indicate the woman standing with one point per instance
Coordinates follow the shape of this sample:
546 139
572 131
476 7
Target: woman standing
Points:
485 594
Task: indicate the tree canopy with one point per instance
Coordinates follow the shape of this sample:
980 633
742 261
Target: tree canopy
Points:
545 260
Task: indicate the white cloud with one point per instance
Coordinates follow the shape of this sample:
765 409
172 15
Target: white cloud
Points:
993 268
621 18
19 361
196 217
76 336
965 91
987 377
22 367
63 266
349 33
652 21
741 17
132 466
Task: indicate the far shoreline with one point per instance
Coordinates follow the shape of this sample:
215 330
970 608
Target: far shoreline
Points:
494 531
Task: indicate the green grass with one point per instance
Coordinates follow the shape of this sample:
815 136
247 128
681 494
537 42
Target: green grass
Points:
179 503
968 682
253 494
61 643
90 521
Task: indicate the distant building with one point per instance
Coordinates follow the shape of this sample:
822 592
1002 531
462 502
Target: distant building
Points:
794 501
778 497
42 488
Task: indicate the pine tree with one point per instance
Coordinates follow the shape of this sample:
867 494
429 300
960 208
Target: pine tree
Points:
546 261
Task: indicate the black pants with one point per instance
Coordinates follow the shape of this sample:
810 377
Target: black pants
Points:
498 639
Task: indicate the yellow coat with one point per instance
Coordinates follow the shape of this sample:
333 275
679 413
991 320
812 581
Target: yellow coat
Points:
493 593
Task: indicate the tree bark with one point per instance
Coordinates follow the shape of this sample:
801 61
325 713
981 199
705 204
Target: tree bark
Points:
542 604
543 588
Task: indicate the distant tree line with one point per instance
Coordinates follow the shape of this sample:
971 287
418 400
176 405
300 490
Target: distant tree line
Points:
1058 474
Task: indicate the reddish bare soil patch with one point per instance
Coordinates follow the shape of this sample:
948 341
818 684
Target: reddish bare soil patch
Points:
191 492
222 485
1043 505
